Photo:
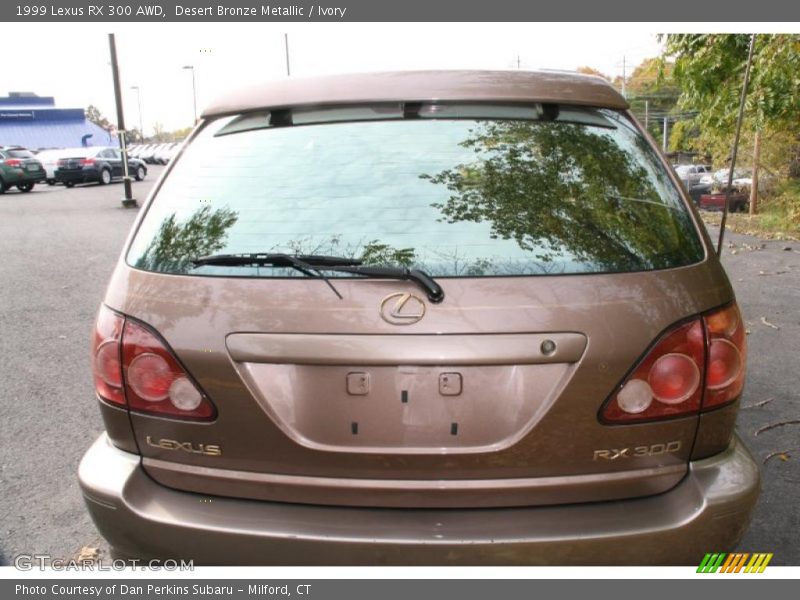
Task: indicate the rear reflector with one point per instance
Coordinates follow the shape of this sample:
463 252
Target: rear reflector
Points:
666 383
694 366
156 382
727 353
134 368
106 356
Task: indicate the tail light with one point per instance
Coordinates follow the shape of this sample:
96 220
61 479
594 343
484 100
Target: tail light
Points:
727 353
694 366
13 162
134 368
87 161
106 350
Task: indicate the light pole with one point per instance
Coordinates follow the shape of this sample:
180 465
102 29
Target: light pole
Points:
286 47
128 201
139 102
194 92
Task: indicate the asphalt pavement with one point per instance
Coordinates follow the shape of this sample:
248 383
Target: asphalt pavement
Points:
58 247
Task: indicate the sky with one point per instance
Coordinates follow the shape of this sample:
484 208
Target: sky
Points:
226 56
71 61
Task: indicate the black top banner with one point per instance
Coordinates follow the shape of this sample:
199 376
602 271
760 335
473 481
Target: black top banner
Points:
187 11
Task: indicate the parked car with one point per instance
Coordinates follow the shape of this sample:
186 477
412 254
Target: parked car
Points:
739 201
697 190
150 155
99 164
741 178
389 326
161 155
691 175
49 160
19 167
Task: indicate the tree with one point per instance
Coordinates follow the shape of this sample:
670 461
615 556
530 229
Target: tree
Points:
177 243
561 188
592 71
134 136
709 69
94 115
159 134
653 94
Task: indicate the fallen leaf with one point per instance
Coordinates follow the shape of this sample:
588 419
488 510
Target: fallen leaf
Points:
758 404
88 554
774 425
784 455
768 324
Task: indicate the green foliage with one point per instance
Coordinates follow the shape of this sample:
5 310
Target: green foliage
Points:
710 68
683 135
376 253
176 244
652 83
94 115
782 211
556 187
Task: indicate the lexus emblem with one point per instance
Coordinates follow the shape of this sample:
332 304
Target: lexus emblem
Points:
402 308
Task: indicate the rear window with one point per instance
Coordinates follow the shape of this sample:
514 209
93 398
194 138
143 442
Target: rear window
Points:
19 153
453 190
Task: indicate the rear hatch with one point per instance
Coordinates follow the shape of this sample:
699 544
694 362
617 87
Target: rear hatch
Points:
562 245
25 160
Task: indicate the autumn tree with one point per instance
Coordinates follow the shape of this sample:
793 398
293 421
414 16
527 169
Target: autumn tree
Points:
709 69
94 115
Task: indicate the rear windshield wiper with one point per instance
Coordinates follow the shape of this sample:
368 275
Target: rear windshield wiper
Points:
421 278
309 264
313 265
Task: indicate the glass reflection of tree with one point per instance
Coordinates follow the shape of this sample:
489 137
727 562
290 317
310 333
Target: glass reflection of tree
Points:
558 187
176 244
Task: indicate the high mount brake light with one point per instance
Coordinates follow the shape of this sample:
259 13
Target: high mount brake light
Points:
697 365
134 368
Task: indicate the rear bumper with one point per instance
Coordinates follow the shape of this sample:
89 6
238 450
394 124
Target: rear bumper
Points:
708 511
84 175
22 176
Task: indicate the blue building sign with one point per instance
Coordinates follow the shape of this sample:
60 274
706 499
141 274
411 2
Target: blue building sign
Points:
35 123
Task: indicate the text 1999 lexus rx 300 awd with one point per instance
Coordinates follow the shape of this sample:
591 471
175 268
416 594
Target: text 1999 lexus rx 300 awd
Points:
422 317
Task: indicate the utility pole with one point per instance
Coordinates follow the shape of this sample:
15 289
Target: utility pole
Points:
735 150
128 201
754 181
194 93
646 114
623 77
664 141
139 102
286 48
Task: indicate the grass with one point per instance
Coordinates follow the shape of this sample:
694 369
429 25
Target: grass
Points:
778 217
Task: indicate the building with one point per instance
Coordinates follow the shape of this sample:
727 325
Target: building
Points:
35 123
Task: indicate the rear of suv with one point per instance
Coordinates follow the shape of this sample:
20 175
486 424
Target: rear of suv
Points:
424 317
19 167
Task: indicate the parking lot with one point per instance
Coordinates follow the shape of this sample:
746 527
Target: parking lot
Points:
59 247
